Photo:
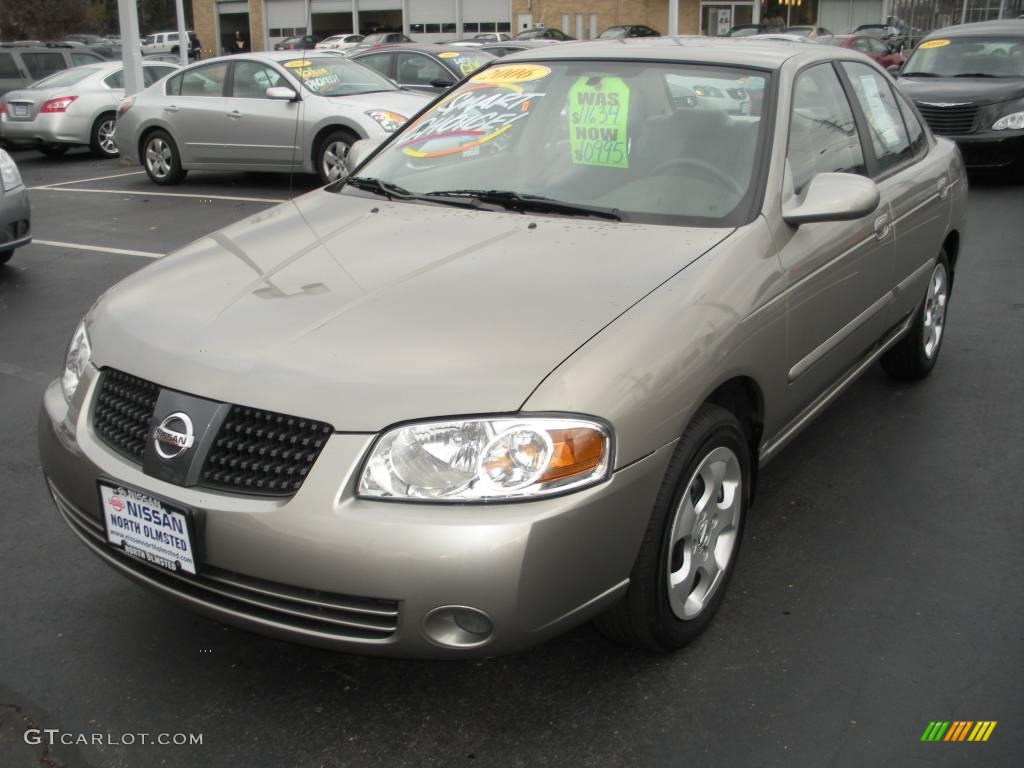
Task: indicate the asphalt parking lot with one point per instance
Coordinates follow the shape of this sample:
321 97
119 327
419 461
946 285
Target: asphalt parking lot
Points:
880 585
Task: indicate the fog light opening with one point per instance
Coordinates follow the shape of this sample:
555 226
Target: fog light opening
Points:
458 626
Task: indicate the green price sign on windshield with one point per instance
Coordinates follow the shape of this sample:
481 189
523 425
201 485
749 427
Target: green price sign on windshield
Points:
598 115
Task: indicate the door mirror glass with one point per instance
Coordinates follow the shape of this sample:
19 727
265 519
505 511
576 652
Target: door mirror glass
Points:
832 197
894 69
441 82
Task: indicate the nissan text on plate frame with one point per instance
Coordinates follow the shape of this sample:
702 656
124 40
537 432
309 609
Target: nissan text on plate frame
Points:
519 369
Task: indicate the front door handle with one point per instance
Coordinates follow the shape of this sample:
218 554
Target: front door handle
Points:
171 108
234 114
882 226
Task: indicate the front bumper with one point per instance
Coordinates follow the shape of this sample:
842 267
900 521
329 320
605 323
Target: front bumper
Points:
15 219
59 128
328 569
993 150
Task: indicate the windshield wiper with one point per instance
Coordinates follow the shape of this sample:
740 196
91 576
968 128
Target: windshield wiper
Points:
395 192
975 74
918 74
514 201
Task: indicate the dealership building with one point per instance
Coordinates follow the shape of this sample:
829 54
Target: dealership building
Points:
265 22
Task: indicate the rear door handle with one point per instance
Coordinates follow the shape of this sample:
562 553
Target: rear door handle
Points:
234 114
943 188
882 226
170 108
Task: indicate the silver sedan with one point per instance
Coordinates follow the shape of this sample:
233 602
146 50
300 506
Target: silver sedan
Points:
282 111
76 107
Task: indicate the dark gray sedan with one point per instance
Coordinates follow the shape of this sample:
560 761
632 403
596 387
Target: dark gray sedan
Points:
15 215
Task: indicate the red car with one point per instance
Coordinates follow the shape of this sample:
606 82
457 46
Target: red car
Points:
869 46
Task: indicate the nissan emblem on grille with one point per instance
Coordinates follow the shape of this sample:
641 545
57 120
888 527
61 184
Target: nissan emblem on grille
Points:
174 435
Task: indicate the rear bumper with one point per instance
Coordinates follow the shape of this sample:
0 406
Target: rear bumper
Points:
291 568
46 129
991 150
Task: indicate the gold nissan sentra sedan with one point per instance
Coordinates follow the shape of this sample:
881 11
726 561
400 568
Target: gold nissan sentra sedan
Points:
519 369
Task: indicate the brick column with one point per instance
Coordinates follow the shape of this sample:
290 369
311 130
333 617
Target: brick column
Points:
256 40
202 24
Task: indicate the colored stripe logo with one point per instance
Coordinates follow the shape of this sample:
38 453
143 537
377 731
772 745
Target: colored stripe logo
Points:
958 730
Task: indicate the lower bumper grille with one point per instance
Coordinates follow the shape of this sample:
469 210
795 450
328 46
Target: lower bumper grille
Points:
304 610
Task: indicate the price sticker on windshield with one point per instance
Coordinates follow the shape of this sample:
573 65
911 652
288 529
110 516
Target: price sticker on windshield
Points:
934 44
598 122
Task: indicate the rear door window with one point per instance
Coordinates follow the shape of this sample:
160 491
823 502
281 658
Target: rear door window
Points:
204 81
417 69
40 65
115 80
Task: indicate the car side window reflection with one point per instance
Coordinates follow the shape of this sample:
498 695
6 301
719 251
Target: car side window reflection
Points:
417 69
915 130
379 62
204 81
877 101
823 135
251 80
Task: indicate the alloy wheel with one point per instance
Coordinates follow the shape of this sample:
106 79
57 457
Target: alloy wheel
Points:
158 158
334 160
934 320
704 533
105 135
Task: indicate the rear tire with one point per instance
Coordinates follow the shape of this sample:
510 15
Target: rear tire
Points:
101 140
161 160
54 150
692 541
914 356
331 153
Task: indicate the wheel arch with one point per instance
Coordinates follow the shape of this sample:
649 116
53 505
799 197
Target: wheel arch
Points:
321 133
951 245
743 398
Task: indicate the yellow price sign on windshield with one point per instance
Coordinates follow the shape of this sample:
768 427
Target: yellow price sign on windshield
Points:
934 44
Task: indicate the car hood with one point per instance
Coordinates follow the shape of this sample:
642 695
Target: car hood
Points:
363 313
967 90
406 103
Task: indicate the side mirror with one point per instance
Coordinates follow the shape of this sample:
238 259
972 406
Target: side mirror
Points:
832 197
442 83
359 151
282 93
894 69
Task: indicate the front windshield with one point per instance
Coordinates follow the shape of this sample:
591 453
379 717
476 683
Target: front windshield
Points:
333 76
640 141
799 31
744 31
967 57
66 78
613 33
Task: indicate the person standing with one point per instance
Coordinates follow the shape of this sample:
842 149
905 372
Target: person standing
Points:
239 44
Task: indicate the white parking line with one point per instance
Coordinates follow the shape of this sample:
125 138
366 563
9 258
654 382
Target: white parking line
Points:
94 178
167 194
97 248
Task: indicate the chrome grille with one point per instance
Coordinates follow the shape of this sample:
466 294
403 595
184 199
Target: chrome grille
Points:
954 121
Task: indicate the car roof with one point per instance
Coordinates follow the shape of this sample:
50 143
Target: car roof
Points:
980 28
433 49
735 51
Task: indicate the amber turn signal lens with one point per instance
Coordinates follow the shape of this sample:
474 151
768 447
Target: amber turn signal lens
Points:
575 451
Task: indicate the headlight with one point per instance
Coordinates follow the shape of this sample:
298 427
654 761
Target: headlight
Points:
389 121
75 361
1011 122
9 176
486 459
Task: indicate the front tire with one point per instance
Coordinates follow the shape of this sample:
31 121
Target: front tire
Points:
161 160
331 154
5 256
101 140
689 550
914 356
